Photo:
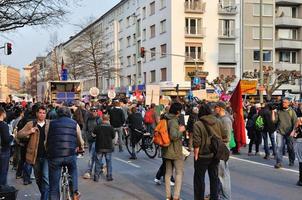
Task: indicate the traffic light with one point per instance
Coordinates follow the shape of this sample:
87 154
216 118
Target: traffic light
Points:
142 52
8 48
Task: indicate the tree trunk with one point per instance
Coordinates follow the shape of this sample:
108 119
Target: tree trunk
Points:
97 80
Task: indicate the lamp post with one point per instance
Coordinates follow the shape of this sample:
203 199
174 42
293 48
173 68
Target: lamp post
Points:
261 53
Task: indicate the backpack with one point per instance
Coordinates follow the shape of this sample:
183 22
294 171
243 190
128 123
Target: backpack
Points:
259 123
217 146
161 135
148 118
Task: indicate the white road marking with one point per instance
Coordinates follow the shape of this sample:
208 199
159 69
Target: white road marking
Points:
265 165
127 162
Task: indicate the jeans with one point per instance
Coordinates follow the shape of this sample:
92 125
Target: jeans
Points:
42 178
150 128
99 164
162 170
55 169
92 155
179 170
265 140
225 181
119 131
200 168
4 163
27 170
281 140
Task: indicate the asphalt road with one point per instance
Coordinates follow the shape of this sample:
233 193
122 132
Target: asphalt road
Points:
252 177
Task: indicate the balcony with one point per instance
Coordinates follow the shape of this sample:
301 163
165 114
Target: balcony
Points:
194 58
228 60
228 34
287 66
288 44
195 32
288 2
288 22
231 9
195 7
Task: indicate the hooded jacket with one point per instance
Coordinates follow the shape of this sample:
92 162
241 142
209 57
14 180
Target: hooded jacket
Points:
201 137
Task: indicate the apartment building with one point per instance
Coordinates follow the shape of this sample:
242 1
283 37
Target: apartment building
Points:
9 81
179 37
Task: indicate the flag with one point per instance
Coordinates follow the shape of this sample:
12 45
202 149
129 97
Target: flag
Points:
62 65
238 124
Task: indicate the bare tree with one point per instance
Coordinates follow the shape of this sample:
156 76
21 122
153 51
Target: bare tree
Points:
274 79
73 64
16 14
222 82
53 58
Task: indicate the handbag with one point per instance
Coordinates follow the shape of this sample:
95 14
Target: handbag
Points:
232 143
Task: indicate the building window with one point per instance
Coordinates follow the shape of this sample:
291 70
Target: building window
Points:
267 55
145 77
144 34
119 44
226 71
153 53
288 11
134 39
163 26
226 28
134 59
128 61
193 26
128 41
267 10
120 24
193 52
288 57
134 77
163 73
152 8
288 34
163 50
152 76
152 31
138 28
226 53
267 33
128 21
226 3
129 80
144 12
162 4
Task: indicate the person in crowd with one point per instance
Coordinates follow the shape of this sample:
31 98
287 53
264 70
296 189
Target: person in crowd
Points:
253 134
63 140
37 131
191 121
125 108
223 169
285 120
16 156
173 153
297 134
104 134
135 123
92 121
150 119
117 120
203 157
6 138
268 130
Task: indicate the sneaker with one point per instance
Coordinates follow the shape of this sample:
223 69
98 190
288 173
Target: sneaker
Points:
266 157
299 183
278 166
87 175
157 181
257 154
109 179
291 163
172 183
96 178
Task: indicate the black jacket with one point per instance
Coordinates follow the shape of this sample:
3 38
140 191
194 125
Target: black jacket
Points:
117 117
192 119
135 121
269 125
6 138
104 135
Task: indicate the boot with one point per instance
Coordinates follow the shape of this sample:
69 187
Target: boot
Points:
299 183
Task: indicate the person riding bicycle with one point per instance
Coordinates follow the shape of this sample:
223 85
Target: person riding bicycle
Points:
135 122
63 140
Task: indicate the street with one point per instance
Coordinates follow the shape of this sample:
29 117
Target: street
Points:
253 178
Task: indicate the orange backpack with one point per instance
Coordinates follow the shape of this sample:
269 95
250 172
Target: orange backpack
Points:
161 135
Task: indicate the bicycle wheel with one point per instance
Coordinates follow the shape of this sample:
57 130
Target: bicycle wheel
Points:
128 144
150 148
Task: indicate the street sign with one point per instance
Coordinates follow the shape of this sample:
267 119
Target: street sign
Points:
94 91
249 87
111 94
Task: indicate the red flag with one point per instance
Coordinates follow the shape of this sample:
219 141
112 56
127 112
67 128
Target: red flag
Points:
62 65
238 125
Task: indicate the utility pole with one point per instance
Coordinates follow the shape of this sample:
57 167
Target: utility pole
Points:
261 53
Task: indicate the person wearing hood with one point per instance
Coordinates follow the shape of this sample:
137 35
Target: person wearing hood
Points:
173 153
203 157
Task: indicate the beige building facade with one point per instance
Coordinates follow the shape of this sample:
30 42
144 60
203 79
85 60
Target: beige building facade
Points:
9 81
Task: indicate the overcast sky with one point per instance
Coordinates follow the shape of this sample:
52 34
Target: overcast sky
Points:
30 42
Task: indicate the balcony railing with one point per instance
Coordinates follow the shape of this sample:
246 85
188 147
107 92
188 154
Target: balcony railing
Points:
288 44
195 7
228 34
195 32
231 9
195 57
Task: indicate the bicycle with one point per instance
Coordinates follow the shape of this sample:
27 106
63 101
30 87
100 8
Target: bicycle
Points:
66 191
145 143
